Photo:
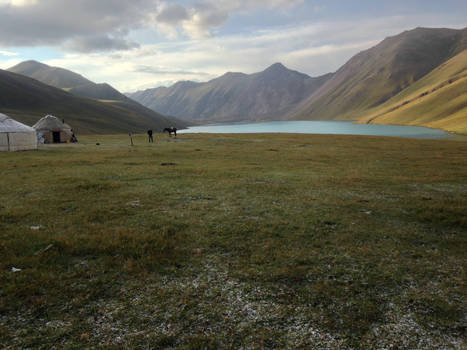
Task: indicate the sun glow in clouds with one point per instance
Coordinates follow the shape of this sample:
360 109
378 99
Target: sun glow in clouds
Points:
17 3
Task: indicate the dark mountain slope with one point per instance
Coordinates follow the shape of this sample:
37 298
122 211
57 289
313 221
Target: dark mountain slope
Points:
28 100
98 91
67 80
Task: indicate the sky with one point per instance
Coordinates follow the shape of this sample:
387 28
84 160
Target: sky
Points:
139 44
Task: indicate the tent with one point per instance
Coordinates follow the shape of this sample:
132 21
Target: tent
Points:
50 129
15 136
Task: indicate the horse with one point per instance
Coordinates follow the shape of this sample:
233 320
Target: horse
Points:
170 131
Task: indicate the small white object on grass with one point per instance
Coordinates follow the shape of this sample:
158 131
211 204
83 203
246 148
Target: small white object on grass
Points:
14 269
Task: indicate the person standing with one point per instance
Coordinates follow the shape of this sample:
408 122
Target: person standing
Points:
151 140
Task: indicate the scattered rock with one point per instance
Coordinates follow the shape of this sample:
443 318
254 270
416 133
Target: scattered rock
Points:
134 203
35 228
329 223
82 264
199 198
14 269
42 251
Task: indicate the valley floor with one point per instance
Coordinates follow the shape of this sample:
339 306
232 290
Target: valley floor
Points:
259 241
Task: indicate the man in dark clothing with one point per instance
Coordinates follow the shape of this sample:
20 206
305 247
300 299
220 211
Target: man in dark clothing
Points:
73 136
150 136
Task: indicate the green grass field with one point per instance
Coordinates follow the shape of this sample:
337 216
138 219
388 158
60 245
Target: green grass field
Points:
234 241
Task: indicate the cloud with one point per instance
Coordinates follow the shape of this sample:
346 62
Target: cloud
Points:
172 14
203 18
207 15
100 43
73 23
106 25
8 53
164 71
169 18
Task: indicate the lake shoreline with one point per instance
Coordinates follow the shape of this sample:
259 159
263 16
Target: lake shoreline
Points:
325 128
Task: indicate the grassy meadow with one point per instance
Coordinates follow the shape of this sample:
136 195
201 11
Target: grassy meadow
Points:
259 241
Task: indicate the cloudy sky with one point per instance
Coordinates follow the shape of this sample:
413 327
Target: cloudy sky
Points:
136 44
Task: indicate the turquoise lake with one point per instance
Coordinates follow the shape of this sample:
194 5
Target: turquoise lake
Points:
321 127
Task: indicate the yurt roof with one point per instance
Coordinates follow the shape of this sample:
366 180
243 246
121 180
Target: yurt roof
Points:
49 122
10 125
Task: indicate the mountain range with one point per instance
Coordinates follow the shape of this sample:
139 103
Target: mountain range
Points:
418 77
379 76
234 97
30 90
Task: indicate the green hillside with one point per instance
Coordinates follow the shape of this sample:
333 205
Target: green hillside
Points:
438 100
27 100
376 75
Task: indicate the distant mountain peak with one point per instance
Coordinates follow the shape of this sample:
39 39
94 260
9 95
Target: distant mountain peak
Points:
279 71
276 67
32 62
54 76
30 65
234 74
230 76
184 82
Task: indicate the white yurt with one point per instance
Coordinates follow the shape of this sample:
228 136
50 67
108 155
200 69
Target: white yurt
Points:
50 129
15 136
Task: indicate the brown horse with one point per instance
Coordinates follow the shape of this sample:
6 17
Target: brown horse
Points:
170 131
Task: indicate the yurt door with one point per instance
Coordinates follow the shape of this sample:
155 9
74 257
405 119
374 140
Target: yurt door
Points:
56 136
